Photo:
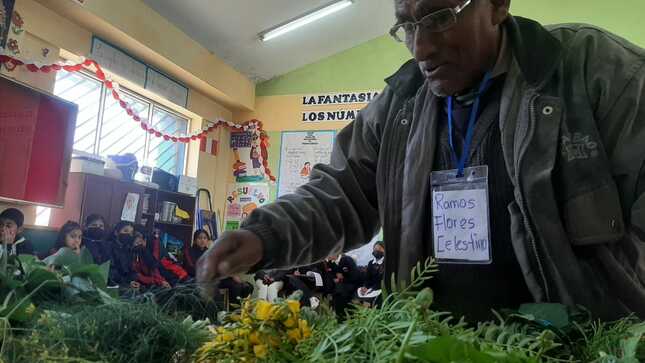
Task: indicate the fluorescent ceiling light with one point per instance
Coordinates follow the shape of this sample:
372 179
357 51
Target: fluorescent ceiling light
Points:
305 19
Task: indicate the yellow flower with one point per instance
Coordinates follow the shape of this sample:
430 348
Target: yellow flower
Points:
290 322
294 306
294 335
275 312
260 350
227 337
304 328
247 321
254 338
263 310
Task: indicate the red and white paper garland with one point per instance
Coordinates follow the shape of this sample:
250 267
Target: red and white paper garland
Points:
91 65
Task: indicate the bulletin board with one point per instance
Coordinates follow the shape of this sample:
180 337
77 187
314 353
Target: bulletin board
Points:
299 152
36 140
241 200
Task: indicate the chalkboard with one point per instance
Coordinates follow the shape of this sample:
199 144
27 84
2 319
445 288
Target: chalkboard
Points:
167 88
115 60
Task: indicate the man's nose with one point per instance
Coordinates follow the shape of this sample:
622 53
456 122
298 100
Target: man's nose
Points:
426 45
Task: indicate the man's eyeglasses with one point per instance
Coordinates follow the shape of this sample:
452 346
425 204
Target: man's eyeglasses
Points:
436 22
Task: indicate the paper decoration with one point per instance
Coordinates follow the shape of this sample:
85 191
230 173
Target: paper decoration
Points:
242 199
240 140
129 212
209 145
300 151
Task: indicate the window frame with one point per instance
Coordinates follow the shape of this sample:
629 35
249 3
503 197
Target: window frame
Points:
152 107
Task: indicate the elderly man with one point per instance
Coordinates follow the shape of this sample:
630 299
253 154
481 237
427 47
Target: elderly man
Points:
511 152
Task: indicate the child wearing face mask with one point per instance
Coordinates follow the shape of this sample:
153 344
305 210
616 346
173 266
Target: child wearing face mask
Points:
370 290
144 263
121 257
94 238
69 247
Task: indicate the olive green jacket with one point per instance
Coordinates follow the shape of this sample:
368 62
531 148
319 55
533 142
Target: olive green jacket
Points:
572 120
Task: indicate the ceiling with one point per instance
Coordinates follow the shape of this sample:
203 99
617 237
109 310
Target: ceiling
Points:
229 29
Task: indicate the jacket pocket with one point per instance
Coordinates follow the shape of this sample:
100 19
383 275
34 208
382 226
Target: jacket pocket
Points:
594 217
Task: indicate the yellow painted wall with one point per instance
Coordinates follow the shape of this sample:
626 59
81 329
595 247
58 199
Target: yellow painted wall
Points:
45 28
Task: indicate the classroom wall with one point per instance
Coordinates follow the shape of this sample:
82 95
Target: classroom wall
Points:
46 28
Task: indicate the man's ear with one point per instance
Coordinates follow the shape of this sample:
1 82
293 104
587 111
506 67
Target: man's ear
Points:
20 230
500 11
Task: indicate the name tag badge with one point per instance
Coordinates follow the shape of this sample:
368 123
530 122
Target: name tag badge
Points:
460 216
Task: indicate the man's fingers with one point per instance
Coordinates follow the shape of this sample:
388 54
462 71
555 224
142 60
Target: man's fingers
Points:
207 265
240 261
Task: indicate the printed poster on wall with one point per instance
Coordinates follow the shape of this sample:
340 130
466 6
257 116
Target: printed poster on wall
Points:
300 151
248 159
241 200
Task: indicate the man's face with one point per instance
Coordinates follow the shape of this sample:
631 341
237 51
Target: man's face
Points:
454 60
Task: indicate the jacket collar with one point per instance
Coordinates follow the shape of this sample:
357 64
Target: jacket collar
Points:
525 37
537 52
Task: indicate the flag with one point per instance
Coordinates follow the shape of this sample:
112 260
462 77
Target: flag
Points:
208 145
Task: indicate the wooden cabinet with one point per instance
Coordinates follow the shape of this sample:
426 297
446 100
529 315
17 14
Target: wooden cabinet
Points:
88 194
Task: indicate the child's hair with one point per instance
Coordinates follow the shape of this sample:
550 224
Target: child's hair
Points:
64 231
13 214
119 226
141 230
93 218
200 231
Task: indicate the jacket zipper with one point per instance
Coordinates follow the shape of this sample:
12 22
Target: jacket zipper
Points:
523 207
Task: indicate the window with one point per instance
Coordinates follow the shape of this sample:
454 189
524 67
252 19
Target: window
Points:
104 128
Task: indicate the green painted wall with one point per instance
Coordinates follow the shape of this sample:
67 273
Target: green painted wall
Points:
360 68
365 66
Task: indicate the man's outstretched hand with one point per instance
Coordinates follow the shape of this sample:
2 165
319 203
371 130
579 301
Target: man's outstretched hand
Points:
233 253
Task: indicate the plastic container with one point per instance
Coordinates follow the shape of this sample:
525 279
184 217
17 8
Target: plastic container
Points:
86 164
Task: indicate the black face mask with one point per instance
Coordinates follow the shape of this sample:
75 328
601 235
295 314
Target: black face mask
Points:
378 254
95 233
126 239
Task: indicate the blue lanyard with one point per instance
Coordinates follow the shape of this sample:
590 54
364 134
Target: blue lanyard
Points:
461 162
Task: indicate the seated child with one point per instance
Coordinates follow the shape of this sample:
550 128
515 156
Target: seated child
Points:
144 263
121 257
11 221
201 242
69 248
94 237
370 290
